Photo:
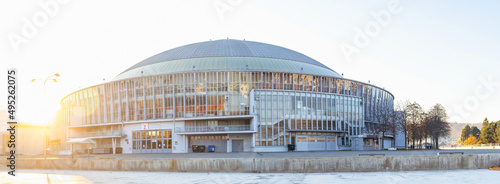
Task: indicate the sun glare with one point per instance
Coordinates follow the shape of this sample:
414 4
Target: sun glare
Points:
42 101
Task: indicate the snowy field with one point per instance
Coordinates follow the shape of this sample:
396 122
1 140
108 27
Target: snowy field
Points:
427 177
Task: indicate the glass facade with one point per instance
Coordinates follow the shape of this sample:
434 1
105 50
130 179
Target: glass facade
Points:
284 102
281 112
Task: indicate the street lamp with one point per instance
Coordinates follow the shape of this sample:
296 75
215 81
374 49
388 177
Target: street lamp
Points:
45 128
46 79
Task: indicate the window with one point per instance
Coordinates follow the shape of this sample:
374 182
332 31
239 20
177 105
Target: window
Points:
149 140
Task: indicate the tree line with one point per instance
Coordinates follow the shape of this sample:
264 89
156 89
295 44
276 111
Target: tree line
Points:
489 133
420 125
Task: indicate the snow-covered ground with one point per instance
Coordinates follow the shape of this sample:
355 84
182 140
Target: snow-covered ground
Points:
426 177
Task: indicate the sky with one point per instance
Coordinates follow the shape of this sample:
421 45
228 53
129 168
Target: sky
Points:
429 52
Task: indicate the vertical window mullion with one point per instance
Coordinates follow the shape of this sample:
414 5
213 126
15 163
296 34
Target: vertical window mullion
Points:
163 95
153 88
184 95
272 118
206 94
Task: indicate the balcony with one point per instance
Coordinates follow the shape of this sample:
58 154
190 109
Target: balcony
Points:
372 131
210 129
113 133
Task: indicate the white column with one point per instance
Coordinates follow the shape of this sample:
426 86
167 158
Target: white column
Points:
229 144
113 142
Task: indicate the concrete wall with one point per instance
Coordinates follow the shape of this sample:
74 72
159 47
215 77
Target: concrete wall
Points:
258 165
270 149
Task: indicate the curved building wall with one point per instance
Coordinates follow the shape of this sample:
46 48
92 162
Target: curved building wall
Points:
234 94
286 104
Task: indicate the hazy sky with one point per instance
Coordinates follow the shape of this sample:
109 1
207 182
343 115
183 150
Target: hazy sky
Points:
425 51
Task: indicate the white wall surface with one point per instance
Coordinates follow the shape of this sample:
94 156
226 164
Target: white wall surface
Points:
247 141
179 141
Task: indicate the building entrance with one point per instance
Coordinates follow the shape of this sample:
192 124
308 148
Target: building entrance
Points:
152 141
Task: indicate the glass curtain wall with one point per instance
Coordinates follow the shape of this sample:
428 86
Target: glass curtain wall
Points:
279 110
208 94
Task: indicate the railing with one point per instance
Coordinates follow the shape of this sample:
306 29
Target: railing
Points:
94 134
214 128
473 146
450 153
366 130
59 147
479 145
371 154
313 128
371 148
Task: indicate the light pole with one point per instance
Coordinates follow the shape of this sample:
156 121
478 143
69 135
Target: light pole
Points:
45 80
45 128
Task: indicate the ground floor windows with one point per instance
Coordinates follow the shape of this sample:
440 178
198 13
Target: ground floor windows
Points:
152 141
316 143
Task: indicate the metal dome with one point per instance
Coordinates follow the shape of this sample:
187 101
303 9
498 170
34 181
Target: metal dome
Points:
227 55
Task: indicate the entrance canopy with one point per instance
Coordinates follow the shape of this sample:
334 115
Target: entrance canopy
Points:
81 141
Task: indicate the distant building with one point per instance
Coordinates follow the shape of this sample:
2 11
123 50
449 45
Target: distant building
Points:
400 137
29 139
3 140
3 120
3 133
236 95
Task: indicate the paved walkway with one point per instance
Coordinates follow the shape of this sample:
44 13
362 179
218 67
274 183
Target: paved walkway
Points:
278 154
407 177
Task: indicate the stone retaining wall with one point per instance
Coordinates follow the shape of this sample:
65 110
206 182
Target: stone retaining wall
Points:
261 165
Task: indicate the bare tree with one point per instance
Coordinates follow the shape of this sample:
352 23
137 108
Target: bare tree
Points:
436 124
421 130
384 116
414 116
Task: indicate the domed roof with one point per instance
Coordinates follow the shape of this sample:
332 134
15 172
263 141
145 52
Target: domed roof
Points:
227 55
